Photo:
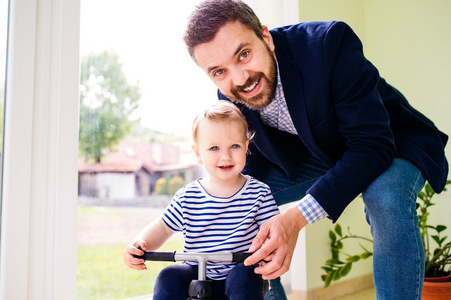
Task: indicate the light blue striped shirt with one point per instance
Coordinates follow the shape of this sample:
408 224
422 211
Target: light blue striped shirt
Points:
213 224
276 115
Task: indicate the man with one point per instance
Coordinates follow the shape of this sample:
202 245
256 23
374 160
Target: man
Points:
328 128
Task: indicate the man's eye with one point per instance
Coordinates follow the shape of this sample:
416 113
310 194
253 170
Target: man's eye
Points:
214 148
218 73
244 55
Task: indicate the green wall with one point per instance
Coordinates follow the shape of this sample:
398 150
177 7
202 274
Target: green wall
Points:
409 41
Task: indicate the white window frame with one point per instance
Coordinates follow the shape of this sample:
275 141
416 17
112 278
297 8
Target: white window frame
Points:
39 199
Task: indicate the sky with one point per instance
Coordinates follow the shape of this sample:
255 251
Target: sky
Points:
148 36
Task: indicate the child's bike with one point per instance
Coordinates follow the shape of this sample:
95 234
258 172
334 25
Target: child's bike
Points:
200 288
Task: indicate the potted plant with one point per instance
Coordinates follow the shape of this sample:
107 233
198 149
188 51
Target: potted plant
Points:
437 250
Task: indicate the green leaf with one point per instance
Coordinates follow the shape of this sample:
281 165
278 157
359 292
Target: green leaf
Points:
328 279
336 275
353 258
436 239
365 255
335 253
345 269
429 191
440 228
421 195
338 229
437 250
332 236
332 262
327 269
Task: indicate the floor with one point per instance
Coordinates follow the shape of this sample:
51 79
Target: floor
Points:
364 295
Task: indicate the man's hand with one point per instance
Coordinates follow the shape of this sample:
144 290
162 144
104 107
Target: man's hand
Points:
275 243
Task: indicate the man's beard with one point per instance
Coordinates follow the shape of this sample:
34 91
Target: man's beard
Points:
265 97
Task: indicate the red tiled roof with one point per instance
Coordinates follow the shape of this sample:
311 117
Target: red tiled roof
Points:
125 167
132 156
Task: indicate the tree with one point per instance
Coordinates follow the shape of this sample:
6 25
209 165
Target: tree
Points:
107 102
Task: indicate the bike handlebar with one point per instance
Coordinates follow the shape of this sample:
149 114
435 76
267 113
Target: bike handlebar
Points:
182 256
158 256
240 256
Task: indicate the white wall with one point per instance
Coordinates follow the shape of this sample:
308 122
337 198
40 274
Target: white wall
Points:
116 185
409 41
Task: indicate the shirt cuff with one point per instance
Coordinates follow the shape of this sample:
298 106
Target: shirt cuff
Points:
311 209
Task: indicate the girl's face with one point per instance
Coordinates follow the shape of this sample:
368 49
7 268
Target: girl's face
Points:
222 147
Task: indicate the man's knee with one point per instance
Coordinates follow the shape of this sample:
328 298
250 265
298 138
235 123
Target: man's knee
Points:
395 190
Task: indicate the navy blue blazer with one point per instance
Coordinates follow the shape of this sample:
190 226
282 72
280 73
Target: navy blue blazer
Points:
345 114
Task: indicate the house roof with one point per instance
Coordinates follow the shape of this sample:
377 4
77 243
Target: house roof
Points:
131 157
124 167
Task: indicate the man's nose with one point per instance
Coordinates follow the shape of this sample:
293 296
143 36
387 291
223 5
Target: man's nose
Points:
239 76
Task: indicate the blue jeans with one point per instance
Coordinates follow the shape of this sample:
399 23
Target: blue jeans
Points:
398 262
398 253
242 283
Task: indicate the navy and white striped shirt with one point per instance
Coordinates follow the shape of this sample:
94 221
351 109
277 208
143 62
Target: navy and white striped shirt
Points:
214 224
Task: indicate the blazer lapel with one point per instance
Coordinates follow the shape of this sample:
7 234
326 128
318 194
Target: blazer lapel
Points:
262 139
295 98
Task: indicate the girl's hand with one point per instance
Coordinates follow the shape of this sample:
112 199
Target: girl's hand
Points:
131 250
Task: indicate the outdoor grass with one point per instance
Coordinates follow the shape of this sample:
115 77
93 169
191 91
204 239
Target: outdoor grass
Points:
102 274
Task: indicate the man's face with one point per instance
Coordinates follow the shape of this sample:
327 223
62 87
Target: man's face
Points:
241 65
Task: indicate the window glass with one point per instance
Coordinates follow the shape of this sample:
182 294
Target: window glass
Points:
139 93
3 46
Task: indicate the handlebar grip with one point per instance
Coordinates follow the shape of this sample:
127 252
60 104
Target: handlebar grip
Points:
240 257
157 255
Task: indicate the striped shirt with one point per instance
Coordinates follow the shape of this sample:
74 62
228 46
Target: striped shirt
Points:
214 224
276 115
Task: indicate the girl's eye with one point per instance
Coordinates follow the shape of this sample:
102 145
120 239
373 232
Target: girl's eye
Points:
214 148
235 146
244 55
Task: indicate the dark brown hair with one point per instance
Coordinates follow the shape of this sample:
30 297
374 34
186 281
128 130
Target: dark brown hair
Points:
210 15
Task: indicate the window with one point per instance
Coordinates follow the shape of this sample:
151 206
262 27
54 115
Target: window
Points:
3 42
139 94
39 196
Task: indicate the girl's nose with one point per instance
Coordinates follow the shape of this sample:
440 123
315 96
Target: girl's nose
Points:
226 155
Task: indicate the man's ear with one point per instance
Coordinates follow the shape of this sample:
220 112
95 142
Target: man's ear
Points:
267 37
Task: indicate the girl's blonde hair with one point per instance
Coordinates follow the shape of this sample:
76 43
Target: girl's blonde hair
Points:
221 111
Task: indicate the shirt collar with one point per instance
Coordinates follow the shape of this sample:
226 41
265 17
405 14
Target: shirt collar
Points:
279 91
